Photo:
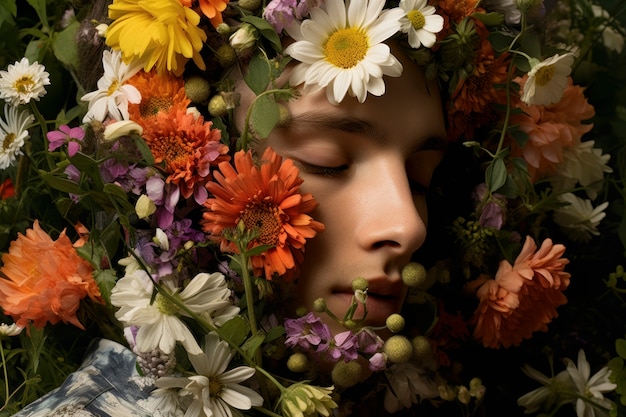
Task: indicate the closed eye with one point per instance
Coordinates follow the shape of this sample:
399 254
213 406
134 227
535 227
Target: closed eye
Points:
313 169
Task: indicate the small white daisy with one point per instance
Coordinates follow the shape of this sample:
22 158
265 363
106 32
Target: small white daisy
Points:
214 389
13 134
420 22
547 80
22 82
590 401
342 49
159 320
113 94
10 330
579 219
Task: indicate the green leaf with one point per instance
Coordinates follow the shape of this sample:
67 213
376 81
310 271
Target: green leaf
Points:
258 76
500 41
40 8
8 10
266 30
89 166
274 333
143 147
60 184
235 330
106 280
253 343
257 250
120 196
64 45
495 175
265 115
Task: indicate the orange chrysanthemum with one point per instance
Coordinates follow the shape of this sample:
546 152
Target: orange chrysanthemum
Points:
523 297
453 11
213 10
159 93
187 147
7 189
472 103
42 289
551 129
266 196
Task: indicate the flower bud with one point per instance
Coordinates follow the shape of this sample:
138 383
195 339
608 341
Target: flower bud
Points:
395 323
398 349
298 362
359 284
144 206
101 29
121 128
250 5
244 38
446 392
346 374
217 106
223 29
414 275
422 348
464 395
319 305
197 89
226 55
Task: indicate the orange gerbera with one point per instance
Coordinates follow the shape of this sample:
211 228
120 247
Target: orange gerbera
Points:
46 288
266 196
213 10
551 129
523 297
7 189
159 93
187 147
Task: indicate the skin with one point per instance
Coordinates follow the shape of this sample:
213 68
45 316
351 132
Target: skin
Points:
368 166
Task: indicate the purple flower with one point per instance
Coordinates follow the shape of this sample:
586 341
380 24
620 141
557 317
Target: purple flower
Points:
342 346
72 136
306 331
378 362
368 341
492 213
282 13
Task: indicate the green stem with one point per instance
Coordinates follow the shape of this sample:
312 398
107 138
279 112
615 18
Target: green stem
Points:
44 132
6 375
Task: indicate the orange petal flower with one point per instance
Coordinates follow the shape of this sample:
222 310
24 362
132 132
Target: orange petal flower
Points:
45 288
523 297
213 10
188 147
266 196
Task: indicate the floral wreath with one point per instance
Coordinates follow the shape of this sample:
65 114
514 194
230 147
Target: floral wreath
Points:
172 236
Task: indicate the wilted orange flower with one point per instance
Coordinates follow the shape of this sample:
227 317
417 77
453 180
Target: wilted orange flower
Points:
187 146
551 129
49 288
7 189
266 196
523 297
159 93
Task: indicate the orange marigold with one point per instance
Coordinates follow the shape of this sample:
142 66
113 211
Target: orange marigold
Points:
522 299
268 197
41 289
213 10
551 129
159 93
187 147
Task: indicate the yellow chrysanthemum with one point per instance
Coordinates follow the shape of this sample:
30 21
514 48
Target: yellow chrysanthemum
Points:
161 33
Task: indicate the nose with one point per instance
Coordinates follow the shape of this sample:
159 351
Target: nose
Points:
391 216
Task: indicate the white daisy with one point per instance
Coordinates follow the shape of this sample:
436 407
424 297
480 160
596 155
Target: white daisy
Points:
343 50
420 22
13 134
547 80
214 389
113 94
547 395
10 330
22 82
590 388
159 322
582 164
579 219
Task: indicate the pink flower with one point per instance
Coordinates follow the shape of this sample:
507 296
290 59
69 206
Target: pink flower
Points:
72 136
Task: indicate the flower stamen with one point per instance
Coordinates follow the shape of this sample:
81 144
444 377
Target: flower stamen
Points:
345 48
417 19
265 218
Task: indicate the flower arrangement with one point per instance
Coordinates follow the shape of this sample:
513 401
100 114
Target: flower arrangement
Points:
133 208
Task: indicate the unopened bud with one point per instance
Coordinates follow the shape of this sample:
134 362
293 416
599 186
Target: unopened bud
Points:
346 374
414 275
144 207
422 348
319 305
223 29
217 106
197 89
226 55
359 284
398 349
395 323
464 395
250 5
244 38
298 362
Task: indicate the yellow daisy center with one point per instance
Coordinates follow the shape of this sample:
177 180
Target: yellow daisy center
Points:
266 219
215 387
154 105
24 85
544 75
166 306
113 87
417 19
346 47
8 140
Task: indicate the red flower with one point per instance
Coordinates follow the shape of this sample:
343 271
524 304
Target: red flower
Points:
268 197
7 190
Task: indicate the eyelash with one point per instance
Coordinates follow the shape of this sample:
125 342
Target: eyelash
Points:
321 170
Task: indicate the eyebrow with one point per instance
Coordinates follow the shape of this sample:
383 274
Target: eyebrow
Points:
357 126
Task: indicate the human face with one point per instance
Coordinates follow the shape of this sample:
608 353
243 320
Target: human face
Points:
368 166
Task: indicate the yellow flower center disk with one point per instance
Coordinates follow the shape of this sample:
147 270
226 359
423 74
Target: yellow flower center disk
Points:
173 150
113 87
154 105
347 47
215 387
417 19
265 218
544 75
24 85
166 306
8 140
